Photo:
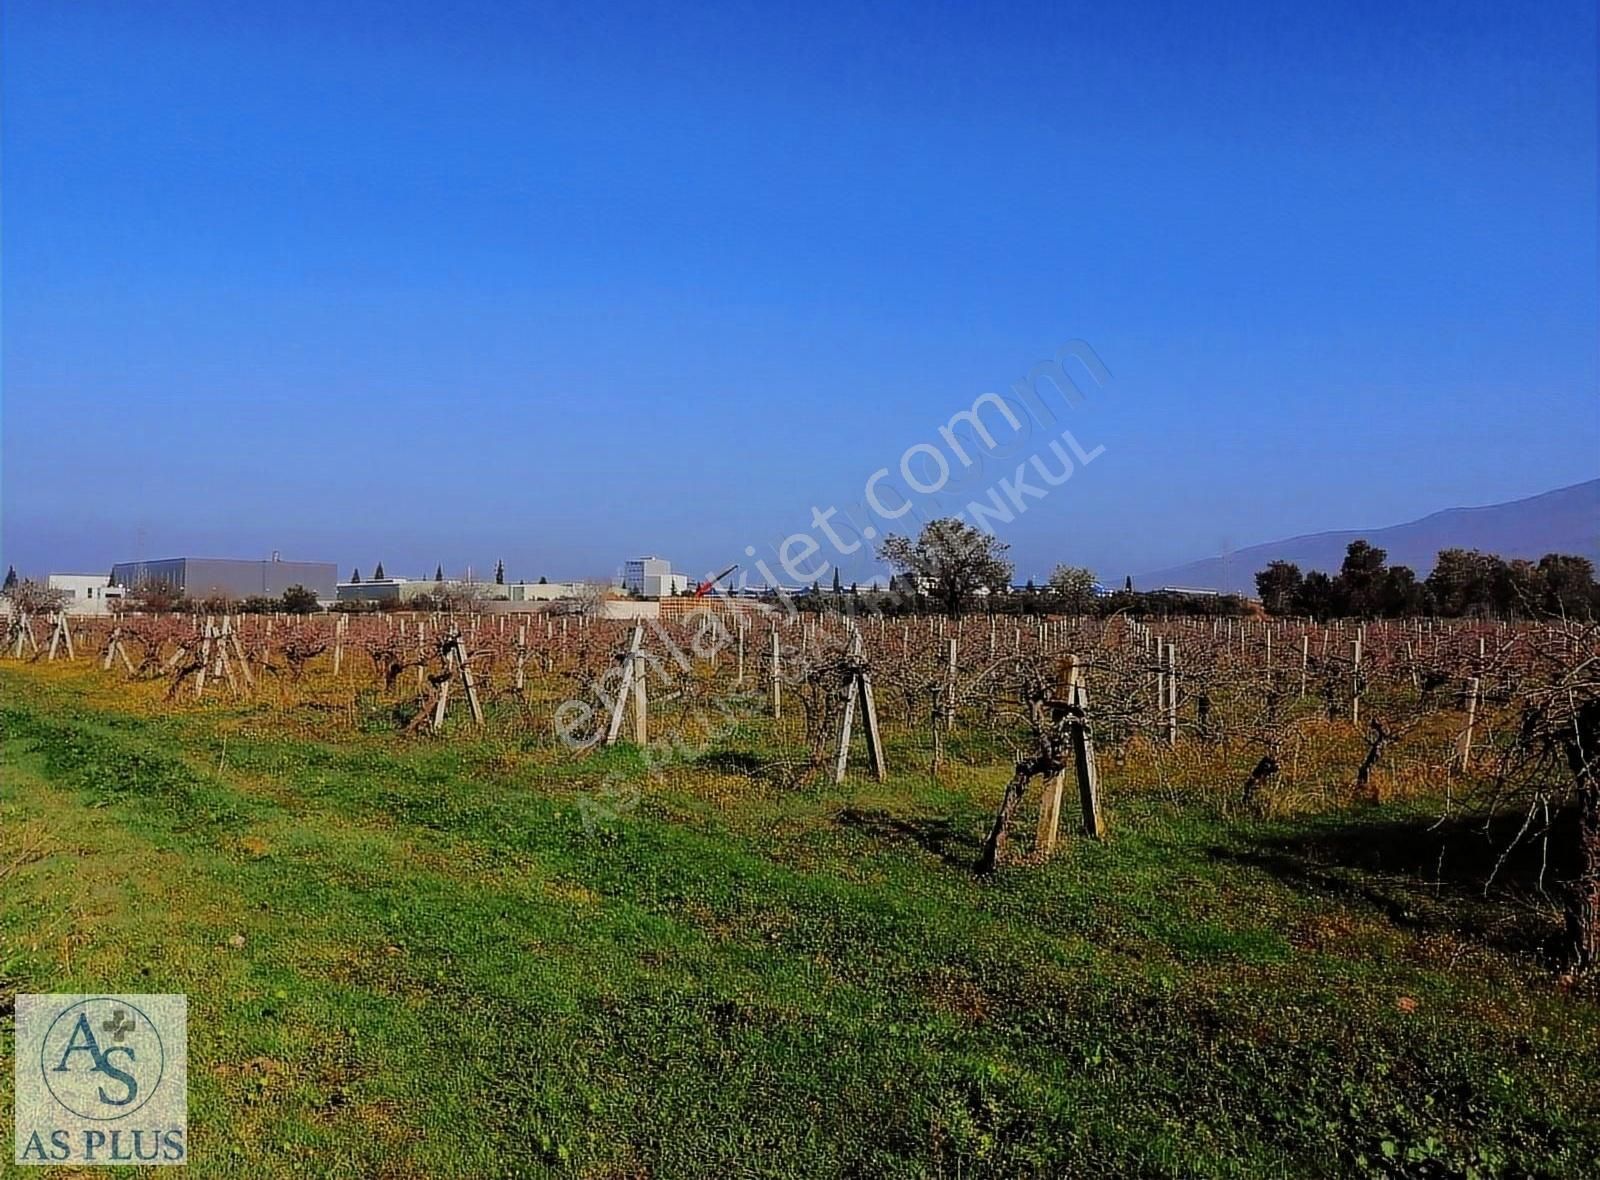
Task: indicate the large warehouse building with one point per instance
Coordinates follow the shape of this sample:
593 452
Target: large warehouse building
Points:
205 577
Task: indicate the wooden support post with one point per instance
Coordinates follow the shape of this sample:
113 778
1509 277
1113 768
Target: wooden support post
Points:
244 664
1055 786
1050 813
950 689
869 717
24 625
844 729
625 686
1088 772
641 702
777 678
1355 685
1464 742
468 681
205 662
1172 694
225 665
443 703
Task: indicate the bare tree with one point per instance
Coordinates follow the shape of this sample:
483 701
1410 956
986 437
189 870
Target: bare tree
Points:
1073 587
952 560
588 599
30 598
154 598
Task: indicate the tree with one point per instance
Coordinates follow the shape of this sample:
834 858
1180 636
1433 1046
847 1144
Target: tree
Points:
461 596
589 599
154 598
1360 578
1073 586
355 575
1278 586
1316 596
438 572
218 602
11 578
28 597
378 573
1460 582
1127 584
499 573
1399 594
297 600
543 581
1567 585
838 586
1515 587
954 561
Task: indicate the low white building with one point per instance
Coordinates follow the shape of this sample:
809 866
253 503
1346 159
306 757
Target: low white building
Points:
86 594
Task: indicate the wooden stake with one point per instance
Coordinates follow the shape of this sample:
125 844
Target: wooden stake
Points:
1088 772
844 730
869 717
777 679
1464 742
641 703
630 667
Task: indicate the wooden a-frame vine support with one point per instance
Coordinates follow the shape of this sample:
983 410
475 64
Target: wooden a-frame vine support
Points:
456 665
1061 723
859 676
22 633
115 647
211 661
61 635
631 687
1072 704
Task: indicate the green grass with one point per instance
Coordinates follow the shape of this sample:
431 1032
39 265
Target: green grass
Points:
447 972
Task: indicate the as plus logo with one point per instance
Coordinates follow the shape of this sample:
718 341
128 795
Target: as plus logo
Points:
101 1079
102 1059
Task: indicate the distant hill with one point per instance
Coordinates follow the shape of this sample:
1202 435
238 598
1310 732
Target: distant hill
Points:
1566 520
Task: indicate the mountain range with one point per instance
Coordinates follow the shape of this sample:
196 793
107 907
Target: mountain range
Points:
1566 520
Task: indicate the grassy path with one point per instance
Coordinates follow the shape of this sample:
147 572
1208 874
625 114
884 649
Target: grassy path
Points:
414 959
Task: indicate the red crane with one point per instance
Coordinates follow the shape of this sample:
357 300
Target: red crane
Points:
710 584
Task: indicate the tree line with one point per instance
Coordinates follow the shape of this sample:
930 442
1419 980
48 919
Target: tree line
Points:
1463 583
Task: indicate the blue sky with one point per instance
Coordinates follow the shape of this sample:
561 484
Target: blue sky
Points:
447 283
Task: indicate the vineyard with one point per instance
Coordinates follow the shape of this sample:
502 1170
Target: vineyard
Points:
1273 716
1342 785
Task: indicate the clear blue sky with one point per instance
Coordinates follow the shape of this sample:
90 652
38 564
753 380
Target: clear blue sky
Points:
448 282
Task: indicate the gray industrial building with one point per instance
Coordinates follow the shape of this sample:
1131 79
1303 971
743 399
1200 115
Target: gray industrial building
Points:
203 577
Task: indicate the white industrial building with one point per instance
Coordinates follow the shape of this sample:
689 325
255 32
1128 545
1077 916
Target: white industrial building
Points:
652 577
86 594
